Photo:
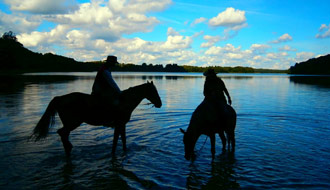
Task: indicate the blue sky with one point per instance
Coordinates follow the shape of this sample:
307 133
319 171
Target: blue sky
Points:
255 33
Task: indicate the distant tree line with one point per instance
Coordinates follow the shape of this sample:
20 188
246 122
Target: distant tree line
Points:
320 65
14 57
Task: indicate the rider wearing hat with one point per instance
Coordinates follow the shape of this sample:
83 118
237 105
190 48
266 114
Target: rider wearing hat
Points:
104 86
214 88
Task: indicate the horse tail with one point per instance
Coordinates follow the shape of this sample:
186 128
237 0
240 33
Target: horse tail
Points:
46 121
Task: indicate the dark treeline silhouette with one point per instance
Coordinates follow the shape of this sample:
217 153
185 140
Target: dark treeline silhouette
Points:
320 65
15 58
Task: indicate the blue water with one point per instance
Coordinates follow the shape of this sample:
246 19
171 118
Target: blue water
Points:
282 136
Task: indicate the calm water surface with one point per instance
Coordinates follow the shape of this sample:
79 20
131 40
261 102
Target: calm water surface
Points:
282 136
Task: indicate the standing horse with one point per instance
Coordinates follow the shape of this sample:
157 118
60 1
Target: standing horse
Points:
76 108
207 120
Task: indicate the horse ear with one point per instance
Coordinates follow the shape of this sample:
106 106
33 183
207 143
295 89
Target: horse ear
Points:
152 82
147 82
182 131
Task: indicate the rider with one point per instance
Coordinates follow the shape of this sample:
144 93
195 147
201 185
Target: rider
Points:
104 86
214 89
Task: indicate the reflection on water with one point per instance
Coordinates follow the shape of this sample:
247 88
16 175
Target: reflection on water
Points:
314 80
280 136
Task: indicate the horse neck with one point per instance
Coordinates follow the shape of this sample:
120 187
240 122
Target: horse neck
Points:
134 96
194 133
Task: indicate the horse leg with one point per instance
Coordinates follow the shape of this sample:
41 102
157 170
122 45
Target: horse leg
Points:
64 134
123 136
115 139
212 137
223 140
232 140
228 139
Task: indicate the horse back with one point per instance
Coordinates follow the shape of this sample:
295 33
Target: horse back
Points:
206 118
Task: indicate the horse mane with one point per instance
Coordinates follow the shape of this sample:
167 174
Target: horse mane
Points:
130 89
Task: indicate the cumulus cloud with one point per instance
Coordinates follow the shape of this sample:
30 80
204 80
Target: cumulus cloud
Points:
257 56
96 29
233 21
284 38
96 21
18 23
324 31
105 23
44 38
42 6
231 18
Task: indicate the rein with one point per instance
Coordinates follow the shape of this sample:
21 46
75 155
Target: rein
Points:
148 104
202 146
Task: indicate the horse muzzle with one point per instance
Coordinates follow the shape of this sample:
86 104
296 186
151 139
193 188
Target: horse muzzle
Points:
158 105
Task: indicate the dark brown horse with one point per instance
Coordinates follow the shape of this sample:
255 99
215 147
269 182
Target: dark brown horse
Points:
76 108
207 120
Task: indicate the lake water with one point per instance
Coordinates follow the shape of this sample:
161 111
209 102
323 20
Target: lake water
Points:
282 136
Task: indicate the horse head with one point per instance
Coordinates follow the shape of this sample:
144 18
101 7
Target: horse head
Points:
152 95
189 145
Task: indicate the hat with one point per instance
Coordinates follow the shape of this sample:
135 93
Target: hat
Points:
209 72
112 59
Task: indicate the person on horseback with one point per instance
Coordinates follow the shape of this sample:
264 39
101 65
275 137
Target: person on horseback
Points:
104 86
214 90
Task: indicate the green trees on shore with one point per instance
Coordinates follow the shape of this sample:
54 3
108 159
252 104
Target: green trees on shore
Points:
320 65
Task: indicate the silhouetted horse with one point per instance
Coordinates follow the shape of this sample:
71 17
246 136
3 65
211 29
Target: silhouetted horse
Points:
76 108
207 120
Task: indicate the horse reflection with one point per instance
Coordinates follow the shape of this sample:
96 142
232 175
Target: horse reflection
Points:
206 120
76 108
220 174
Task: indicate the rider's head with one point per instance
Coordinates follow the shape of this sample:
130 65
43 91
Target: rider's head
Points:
209 72
111 61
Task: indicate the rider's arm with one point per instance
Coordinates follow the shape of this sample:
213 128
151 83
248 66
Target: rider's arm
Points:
227 94
226 91
107 75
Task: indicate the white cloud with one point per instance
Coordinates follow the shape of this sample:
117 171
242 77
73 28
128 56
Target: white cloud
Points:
229 18
138 6
284 38
323 27
304 56
18 23
211 40
42 6
287 48
256 56
97 29
176 42
324 31
259 48
198 21
233 21
43 38
172 32
228 48
93 22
